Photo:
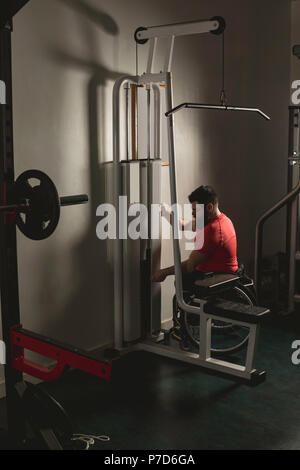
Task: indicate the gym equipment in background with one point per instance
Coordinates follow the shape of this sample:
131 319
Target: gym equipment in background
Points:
137 300
31 202
291 201
287 271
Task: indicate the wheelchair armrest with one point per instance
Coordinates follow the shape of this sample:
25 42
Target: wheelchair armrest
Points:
214 284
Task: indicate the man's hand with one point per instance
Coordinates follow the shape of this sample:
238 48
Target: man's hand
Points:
166 212
159 276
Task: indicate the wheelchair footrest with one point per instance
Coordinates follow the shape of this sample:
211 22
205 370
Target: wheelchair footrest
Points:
236 311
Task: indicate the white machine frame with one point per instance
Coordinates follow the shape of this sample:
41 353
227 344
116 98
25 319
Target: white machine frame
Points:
153 80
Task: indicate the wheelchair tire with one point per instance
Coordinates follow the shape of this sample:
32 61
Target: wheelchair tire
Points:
226 337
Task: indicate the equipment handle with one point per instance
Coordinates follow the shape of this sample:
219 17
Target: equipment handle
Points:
74 200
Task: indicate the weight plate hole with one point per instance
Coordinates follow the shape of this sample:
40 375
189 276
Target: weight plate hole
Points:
34 182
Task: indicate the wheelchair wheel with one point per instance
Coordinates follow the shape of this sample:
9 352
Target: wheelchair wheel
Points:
225 336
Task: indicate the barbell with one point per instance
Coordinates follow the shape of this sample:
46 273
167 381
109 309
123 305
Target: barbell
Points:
36 204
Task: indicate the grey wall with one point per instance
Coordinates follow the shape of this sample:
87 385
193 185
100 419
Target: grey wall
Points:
295 33
66 56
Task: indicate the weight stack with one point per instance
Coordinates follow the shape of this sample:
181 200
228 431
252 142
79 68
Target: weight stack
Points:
141 257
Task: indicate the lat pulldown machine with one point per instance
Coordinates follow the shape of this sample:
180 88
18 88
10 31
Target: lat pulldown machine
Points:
137 301
35 209
32 203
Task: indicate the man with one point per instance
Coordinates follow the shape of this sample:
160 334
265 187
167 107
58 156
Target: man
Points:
218 253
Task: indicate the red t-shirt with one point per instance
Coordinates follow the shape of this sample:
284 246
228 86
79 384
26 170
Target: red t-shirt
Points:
220 245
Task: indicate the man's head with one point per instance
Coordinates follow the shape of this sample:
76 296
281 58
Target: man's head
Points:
207 196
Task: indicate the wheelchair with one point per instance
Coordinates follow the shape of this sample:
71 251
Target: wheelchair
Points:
226 337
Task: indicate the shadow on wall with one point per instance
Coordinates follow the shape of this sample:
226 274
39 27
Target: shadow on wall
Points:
100 18
90 306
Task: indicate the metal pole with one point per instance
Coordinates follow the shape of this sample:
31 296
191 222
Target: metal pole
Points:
169 54
157 114
293 207
149 172
217 108
8 245
293 116
118 248
148 264
151 56
127 120
134 121
174 201
292 253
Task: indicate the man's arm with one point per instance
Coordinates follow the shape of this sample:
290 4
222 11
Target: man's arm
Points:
187 266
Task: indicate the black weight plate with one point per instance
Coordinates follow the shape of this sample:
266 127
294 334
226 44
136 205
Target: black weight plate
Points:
45 412
40 219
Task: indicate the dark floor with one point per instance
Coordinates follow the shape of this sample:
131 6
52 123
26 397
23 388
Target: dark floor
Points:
156 403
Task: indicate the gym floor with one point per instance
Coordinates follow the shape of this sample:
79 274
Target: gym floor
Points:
156 403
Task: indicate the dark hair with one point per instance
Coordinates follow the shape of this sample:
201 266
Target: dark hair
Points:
204 195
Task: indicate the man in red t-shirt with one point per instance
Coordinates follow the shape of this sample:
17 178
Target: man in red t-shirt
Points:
218 252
